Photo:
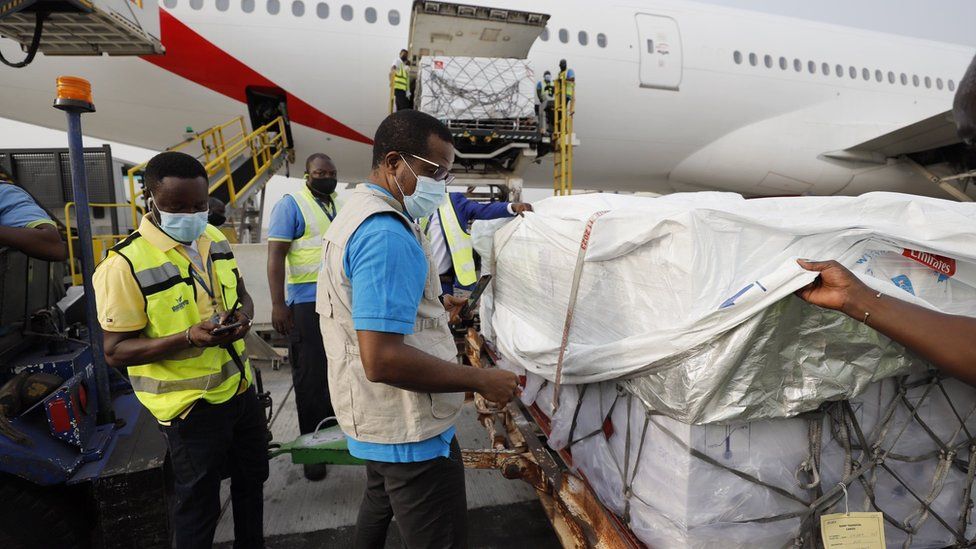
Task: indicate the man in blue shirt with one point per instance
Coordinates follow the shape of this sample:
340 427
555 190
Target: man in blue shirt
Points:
298 222
393 373
450 242
25 226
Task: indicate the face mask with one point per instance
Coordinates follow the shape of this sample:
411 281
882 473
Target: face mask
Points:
182 227
426 198
322 186
217 220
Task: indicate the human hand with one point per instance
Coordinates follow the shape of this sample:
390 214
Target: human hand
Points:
836 288
498 386
281 319
453 305
521 207
202 334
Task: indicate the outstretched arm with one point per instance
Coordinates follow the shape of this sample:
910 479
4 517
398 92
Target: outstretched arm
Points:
947 341
42 241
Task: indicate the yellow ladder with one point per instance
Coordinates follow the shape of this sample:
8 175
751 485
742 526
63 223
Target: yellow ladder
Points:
562 140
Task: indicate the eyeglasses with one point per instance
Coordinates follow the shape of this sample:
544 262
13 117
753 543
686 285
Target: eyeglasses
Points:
440 174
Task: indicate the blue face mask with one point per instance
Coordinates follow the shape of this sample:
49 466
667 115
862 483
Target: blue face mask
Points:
427 196
182 227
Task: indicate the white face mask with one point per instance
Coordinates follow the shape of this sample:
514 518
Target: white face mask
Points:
182 227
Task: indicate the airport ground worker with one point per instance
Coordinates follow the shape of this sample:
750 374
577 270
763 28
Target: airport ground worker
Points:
395 382
25 226
298 222
217 212
569 77
401 82
545 92
174 310
450 242
947 341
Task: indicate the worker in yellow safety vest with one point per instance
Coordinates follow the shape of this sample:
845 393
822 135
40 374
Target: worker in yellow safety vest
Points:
450 242
174 311
568 76
401 82
298 222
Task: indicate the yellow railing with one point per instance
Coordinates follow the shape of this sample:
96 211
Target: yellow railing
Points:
562 139
100 242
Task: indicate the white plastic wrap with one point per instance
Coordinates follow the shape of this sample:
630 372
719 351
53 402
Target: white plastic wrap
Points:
678 499
475 88
688 296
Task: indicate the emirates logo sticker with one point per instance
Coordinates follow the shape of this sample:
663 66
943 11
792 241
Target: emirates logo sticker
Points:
938 263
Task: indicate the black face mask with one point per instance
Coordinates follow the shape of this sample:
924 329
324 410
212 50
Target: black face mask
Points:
217 220
322 186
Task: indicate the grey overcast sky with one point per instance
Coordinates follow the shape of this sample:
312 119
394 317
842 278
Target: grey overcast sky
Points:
942 20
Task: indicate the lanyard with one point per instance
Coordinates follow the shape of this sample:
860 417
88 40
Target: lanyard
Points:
203 283
330 213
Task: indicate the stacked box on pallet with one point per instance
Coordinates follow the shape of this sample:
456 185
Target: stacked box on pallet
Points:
705 403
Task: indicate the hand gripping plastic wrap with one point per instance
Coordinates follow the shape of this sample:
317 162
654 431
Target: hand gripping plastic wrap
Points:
705 403
475 88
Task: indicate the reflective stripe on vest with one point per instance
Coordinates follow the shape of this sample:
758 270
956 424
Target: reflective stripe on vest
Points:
305 253
401 77
168 387
570 84
458 244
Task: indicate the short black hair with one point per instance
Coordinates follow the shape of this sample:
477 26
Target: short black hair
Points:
407 131
215 202
172 164
316 156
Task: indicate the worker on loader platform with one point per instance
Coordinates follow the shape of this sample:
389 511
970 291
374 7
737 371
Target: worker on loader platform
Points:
947 341
25 226
395 382
569 77
545 92
175 311
450 242
298 222
401 82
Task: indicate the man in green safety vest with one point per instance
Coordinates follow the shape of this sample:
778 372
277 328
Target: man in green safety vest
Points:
401 82
450 243
298 222
569 77
174 311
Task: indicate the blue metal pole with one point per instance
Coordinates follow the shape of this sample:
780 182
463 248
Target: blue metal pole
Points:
79 186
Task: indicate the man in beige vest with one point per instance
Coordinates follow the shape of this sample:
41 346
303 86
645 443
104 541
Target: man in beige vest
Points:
395 382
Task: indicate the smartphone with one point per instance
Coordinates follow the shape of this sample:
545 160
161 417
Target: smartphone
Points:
475 295
224 328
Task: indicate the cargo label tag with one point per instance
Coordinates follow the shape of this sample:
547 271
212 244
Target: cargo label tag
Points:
853 531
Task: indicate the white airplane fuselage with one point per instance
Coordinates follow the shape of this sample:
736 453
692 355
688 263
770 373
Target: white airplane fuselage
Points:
742 118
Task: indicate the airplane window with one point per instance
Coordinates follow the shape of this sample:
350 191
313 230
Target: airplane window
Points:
222 5
798 65
322 10
938 83
394 18
370 15
247 6
298 8
904 79
878 75
866 74
563 36
346 12
928 82
768 60
583 38
196 4
782 63
915 80
839 70
737 57
952 85
601 40
545 34
825 68
274 6
812 67
853 72
753 59
891 77
170 4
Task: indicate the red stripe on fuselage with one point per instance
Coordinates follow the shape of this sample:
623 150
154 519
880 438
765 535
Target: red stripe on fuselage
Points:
197 59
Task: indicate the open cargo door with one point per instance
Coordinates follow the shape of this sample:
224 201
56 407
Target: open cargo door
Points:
460 30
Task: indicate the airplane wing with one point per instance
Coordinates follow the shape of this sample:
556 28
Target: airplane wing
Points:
924 135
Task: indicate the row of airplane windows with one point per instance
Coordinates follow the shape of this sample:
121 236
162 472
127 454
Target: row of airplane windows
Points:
369 14
865 73
297 9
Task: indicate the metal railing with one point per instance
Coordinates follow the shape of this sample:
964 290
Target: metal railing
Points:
562 139
100 242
